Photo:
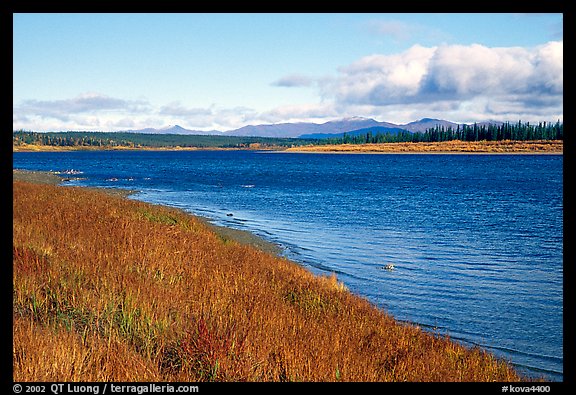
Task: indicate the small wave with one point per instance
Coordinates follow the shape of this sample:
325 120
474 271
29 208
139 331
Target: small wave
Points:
71 171
116 179
248 186
525 363
527 354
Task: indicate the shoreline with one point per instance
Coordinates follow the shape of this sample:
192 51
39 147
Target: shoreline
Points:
500 147
227 317
243 237
504 147
416 152
53 148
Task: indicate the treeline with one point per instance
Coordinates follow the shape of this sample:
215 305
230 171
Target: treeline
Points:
135 140
484 132
492 132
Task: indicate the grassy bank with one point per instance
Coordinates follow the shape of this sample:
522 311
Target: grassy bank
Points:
56 148
106 288
241 236
454 146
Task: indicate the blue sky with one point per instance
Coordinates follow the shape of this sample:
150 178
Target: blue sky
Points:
222 71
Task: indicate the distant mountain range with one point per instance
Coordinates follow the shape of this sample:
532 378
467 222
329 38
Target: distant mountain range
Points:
172 129
353 126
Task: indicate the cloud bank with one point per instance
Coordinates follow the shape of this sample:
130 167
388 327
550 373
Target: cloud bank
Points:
457 74
461 83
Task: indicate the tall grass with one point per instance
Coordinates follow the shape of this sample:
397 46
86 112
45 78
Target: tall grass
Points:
452 146
106 288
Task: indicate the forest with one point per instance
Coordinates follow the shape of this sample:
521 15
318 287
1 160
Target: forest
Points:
145 140
492 132
520 131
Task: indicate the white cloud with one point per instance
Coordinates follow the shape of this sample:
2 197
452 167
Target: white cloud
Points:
294 80
549 67
232 118
312 112
87 111
178 110
81 109
468 71
526 79
381 79
461 83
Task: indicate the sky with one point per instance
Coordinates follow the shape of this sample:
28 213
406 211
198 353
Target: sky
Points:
111 72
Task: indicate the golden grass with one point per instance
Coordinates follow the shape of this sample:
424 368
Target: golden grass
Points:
454 146
105 288
23 147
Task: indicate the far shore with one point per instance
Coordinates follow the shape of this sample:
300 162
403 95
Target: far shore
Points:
553 147
54 148
240 236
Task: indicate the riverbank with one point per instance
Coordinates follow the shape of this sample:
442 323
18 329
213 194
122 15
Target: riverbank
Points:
108 288
52 178
240 236
55 148
445 147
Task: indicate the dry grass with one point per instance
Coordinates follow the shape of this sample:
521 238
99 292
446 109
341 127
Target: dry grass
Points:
23 147
105 288
454 146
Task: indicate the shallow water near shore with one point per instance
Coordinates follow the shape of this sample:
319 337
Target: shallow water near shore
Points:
464 245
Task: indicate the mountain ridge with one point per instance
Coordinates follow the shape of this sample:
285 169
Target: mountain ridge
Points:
333 128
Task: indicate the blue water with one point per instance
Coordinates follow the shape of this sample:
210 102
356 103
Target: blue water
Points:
476 240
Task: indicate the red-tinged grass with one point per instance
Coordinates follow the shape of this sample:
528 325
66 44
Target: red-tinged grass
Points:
453 146
106 288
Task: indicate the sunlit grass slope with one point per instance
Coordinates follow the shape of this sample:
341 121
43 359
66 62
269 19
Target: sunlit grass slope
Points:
105 288
453 146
